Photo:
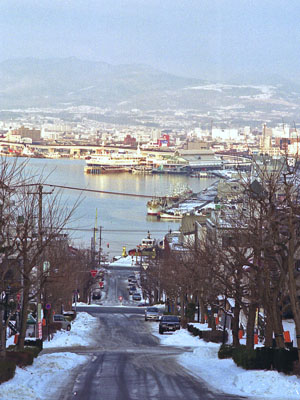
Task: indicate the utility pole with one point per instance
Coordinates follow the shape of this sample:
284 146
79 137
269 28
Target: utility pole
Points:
100 244
40 194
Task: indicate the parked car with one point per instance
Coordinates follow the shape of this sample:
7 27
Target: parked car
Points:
65 324
152 313
130 277
136 296
96 295
132 289
168 323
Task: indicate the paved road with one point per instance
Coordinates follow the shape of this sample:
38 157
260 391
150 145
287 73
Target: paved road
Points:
129 363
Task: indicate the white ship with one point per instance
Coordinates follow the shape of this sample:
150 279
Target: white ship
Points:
113 162
174 213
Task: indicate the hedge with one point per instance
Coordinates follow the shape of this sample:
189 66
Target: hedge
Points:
21 358
32 350
244 357
225 351
7 369
279 359
34 343
209 336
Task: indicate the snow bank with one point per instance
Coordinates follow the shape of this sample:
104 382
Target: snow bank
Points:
81 304
224 375
41 380
81 334
123 261
201 327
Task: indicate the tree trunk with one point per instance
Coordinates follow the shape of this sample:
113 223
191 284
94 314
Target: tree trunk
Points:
278 329
2 335
292 283
294 300
236 324
268 326
24 317
202 311
250 325
182 306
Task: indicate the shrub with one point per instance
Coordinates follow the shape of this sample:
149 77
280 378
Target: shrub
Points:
245 358
264 357
214 336
7 369
195 331
21 358
32 350
283 359
225 351
34 343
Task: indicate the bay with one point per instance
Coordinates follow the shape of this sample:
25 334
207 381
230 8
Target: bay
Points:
123 219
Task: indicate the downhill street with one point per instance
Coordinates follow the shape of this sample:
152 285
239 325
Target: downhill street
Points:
128 363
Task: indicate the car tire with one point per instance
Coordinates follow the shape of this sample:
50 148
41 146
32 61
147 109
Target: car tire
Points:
161 331
146 319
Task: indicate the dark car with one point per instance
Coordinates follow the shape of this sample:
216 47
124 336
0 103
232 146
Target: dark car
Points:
130 277
168 323
152 313
136 297
96 295
132 289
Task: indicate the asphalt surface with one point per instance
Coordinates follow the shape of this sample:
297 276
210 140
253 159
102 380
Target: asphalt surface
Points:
129 363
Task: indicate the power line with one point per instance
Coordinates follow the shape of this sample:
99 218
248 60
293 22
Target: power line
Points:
88 190
114 230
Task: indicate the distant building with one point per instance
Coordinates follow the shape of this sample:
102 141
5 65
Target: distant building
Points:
129 141
34 134
199 156
224 134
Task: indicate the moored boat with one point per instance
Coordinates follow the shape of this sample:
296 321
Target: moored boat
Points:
171 214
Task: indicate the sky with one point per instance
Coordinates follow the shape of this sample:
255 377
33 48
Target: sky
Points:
196 38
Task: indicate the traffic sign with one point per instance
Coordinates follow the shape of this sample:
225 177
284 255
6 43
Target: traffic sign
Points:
101 284
93 272
48 306
120 298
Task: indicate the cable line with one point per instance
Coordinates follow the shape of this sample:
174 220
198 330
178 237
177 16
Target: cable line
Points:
147 196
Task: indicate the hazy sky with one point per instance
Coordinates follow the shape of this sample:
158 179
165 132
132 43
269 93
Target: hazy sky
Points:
189 37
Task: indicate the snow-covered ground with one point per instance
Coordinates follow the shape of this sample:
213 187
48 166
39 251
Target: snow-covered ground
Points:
51 371
41 380
224 375
79 335
128 261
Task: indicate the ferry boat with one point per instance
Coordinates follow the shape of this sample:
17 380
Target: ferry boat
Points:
113 163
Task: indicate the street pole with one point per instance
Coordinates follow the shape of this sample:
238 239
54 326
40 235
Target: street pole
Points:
40 194
100 244
225 317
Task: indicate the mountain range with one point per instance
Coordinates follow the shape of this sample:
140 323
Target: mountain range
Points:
67 82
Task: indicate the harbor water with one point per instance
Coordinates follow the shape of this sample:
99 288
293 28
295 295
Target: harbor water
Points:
123 219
